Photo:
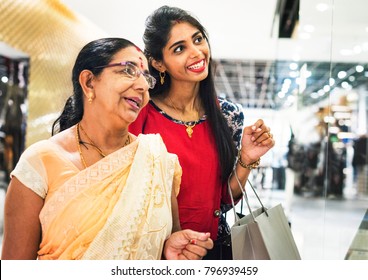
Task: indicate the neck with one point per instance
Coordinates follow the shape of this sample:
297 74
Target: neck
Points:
106 140
186 113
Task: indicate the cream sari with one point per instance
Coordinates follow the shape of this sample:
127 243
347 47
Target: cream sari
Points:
118 208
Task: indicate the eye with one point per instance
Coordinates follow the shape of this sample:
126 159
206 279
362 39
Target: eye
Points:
129 70
198 39
179 49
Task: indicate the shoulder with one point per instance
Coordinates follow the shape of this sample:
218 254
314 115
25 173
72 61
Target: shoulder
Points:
233 112
37 148
31 168
228 106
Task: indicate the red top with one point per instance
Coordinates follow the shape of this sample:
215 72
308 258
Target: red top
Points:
201 189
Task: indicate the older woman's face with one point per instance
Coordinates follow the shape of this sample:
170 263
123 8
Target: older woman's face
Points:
119 94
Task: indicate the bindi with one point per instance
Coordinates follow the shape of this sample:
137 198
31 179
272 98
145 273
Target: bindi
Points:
141 62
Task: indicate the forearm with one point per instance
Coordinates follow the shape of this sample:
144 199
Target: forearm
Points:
242 169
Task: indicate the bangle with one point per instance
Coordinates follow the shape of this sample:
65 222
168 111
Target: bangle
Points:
250 166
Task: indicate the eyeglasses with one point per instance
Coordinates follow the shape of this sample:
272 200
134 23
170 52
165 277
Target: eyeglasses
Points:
132 72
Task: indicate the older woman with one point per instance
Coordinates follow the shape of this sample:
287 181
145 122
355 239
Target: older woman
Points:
93 190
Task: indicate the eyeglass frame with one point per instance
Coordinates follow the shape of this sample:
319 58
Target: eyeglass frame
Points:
138 71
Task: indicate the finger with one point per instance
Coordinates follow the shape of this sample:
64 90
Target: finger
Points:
208 244
261 136
269 141
182 257
195 235
194 254
197 250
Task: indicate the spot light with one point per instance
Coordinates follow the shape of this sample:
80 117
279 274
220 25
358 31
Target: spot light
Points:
359 68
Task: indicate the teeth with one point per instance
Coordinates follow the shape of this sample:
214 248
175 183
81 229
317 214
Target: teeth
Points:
134 101
197 66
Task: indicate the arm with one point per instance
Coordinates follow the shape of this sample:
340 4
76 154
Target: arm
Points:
22 228
175 212
256 141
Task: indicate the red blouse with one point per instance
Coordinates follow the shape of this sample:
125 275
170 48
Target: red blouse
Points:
201 189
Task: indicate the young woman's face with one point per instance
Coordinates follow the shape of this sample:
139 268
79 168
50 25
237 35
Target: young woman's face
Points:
187 54
119 94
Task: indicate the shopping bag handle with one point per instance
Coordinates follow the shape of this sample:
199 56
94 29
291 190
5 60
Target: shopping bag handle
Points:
245 196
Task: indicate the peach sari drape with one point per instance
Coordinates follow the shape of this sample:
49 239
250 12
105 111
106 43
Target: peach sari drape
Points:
118 208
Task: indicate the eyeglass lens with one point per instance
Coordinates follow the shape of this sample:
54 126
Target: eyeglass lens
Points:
135 72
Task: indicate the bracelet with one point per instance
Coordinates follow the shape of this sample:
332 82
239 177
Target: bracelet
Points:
250 166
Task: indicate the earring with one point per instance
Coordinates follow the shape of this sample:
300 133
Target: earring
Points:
90 100
162 77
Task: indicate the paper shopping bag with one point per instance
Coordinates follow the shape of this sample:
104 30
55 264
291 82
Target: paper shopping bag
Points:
263 235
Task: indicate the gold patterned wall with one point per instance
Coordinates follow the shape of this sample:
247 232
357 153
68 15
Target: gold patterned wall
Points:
52 35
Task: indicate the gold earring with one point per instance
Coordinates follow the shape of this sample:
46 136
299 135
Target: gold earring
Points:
162 77
90 100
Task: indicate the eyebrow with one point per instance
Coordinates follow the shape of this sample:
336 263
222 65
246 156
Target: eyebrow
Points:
182 41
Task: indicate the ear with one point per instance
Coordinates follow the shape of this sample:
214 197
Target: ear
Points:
158 65
86 81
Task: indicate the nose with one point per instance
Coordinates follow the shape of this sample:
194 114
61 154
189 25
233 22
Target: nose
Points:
142 82
195 51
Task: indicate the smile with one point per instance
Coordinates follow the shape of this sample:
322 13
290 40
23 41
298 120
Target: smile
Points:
133 102
199 66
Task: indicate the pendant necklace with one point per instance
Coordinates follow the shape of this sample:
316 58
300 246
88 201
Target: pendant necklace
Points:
91 143
188 128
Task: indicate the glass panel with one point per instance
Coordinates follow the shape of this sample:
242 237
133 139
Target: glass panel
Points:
13 108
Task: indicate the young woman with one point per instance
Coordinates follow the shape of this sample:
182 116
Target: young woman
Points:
205 131
93 190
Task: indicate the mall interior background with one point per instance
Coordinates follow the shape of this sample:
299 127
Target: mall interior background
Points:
300 65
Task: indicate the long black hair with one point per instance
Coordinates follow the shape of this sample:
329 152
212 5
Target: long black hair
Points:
96 53
155 38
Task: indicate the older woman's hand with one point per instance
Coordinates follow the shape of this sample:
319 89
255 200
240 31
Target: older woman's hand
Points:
187 245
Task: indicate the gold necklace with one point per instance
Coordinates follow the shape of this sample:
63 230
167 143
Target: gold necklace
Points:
92 144
188 128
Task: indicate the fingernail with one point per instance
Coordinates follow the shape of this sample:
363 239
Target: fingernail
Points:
254 127
193 241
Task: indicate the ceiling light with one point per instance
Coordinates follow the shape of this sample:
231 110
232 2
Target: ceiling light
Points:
293 66
346 85
359 68
341 74
329 119
326 88
287 81
321 92
281 94
314 95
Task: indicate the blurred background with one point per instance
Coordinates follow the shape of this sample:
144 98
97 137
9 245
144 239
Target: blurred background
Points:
301 65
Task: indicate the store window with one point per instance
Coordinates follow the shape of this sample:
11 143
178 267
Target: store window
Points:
314 95
13 109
